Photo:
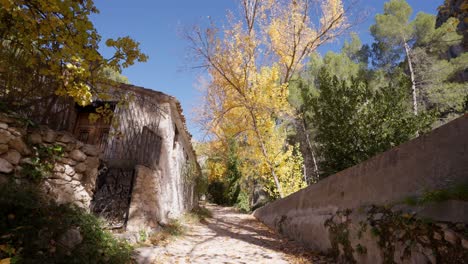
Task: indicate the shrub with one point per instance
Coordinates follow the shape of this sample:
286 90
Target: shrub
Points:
31 226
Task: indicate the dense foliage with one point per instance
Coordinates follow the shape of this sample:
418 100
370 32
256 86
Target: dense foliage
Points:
49 50
355 121
31 228
368 98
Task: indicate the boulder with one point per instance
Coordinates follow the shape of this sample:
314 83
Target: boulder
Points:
5 166
3 126
78 155
18 144
12 156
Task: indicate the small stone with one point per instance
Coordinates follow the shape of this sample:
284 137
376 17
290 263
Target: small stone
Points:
62 176
35 138
5 166
76 184
3 148
20 146
90 150
58 181
59 168
78 155
378 216
70 239
12 156
26 161
78 176
81 167
464 243
65 138
3 126
424 239
428 253
5 136
443 226
450 236
6 119
69 170
68 161
49 136
437 236
14 131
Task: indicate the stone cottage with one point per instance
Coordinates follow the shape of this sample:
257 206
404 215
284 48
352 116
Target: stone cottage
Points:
148 170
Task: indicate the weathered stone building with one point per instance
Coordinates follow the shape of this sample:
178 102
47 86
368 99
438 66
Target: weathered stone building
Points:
148 165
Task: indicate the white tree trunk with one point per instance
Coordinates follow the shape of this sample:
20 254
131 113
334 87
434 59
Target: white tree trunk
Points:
309 145
413 82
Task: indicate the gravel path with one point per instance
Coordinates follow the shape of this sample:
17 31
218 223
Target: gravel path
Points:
228 237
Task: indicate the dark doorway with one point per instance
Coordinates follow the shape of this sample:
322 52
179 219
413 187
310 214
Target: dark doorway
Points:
112 197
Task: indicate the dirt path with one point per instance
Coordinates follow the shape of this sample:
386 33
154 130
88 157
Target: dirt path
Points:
228 237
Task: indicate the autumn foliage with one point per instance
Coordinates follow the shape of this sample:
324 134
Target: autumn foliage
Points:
250 62
49 49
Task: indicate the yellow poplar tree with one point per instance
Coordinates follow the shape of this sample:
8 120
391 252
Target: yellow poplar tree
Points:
250 63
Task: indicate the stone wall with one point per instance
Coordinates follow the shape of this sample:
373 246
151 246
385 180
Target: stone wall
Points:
323 215
68 167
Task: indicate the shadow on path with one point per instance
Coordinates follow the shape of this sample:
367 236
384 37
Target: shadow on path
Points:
229 237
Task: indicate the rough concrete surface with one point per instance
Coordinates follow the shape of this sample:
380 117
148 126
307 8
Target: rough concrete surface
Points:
229 237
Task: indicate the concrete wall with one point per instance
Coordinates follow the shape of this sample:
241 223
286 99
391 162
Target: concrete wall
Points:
436 160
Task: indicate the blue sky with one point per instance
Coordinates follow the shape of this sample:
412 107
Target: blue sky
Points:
157 25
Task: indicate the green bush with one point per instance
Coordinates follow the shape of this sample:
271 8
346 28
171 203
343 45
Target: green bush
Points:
30 227
243 202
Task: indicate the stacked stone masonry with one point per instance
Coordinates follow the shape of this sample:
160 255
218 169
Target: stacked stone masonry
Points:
72 178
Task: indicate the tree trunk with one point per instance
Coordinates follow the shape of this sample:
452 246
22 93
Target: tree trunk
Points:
264 152
309 146
413 82
272 170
